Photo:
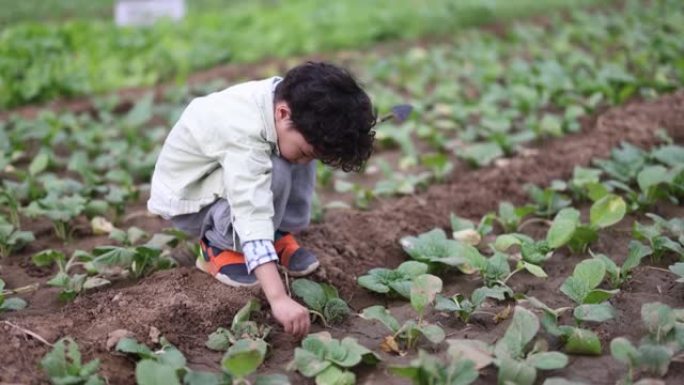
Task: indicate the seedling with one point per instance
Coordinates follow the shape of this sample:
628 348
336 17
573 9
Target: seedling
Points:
138 260
329 360
620 274
431 370
63 365
396 183
393 282
61 210
567 229
577 340
660 234
481 154
657 349
437 251
439 165
322 299
7 304
71 284
517 362
465 231
582 285
241 328
550 200
12 239
510 217
465 307
423 291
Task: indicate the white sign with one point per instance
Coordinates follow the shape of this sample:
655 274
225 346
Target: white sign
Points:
146 12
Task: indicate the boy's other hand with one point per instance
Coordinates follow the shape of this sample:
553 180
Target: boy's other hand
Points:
293 316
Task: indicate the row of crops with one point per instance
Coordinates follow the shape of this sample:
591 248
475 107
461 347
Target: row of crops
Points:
43 61
480 98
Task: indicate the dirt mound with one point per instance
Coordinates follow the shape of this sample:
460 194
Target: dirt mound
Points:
186 305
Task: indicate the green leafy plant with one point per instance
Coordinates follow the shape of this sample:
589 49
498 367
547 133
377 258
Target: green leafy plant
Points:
550 200
63 365
678 268
665 328
322 299
517 361
428 369
466 307
71 284
511 218
437 251
168 365
424 288
567 229
7 304
620 274
397 281
577 340
396 183
62 210
329 360
12 239
582 285
241 328
663 236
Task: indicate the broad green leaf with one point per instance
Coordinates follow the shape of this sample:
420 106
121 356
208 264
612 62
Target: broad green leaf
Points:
246 311
547 360
206 378
582 341
655 358
599 295
311 293
333 375
39 163
533 269
623 350
308 363
244 357
381 314
658 318
458 223
131 346
520 332
506 241
219 340
594 312
148 372
14 303
423 291
47 257
563 227
481 154
607 211
590 271
678 268
373 283
652 176
412 268
433 333
515 372
575 288
671 155
637 251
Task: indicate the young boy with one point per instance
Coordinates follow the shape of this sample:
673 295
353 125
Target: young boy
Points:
236 171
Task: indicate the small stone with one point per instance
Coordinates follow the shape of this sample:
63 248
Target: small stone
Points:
117 335
154 335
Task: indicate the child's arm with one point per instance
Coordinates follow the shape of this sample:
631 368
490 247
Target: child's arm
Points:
293 316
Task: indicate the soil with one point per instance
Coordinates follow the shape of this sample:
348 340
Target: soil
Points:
185 305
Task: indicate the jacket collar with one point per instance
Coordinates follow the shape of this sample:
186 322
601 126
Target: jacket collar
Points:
267 105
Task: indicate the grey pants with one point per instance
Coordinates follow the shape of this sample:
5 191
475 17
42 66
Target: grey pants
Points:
292 186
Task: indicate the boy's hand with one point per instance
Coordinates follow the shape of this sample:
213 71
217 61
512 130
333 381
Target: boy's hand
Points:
293 316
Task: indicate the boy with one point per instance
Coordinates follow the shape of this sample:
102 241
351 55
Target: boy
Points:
236 170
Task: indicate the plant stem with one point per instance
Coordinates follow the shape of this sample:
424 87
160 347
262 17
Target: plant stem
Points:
325 323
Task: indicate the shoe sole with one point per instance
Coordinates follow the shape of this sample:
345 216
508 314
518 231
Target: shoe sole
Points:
304 272
224 279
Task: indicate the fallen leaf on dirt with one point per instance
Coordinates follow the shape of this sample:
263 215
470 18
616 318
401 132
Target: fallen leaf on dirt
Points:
389 345
114 337
502 315
101 226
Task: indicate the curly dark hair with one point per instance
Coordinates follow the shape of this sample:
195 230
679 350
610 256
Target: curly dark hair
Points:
331 111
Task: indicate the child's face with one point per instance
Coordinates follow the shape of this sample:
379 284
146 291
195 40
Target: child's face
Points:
293 147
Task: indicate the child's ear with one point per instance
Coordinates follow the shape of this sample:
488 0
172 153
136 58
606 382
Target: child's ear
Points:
282 111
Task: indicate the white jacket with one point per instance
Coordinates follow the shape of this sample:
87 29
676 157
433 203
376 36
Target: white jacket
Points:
220 148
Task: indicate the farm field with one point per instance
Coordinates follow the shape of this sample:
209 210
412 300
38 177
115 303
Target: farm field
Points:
532 200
